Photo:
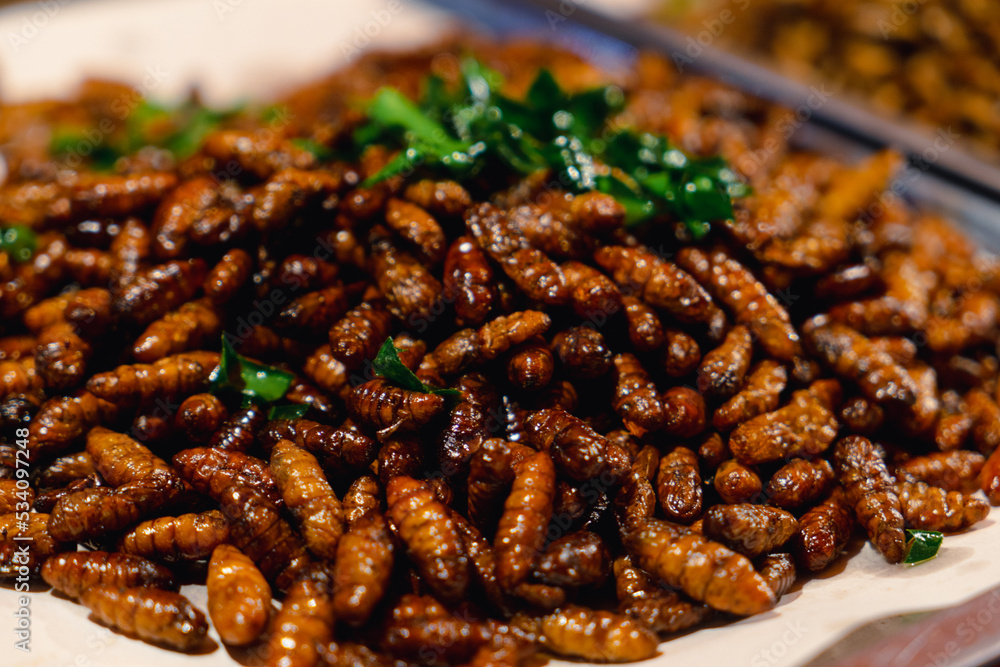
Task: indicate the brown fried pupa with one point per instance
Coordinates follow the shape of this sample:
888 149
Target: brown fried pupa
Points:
239 597
309 498
75 572
154 615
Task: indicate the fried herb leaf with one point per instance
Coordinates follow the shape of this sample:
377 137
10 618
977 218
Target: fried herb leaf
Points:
257 382
922 546
19 242
387 365
288 411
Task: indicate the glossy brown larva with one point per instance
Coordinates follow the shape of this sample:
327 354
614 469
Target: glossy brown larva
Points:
239 597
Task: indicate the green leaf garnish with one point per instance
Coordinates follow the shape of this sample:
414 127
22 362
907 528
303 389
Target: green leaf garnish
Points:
922 546
319 151
473 129
256 382
387 365
289 411
19 242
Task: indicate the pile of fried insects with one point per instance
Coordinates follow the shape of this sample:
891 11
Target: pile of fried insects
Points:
472 360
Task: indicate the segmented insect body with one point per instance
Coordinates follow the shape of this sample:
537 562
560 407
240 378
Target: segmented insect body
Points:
862 416
468 276
191 326
258 530
660 609
778 570
390 409
520 534
184 537
735 482
583 352
530 365
239 597
681 353
985 413
870 490
363 495
61 357
154 292
759 394
636 399
239 432
417 226
73 573
491 471
19 377
577 559
800 482
342 449
723 369
932 508
200 416
749 529
172 377
225 279
705 570
411 291
305 620
824 531
804 427
309 498
422 630
306 273
314 312
446 198
596 298
357 337
327 372
154 615
746 298
362 568
433 544
15 533
576 449
62 422
685 412
645 330
678 485
211 471
468 424
596 635
531 270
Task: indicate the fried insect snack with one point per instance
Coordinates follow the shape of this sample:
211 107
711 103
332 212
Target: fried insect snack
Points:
662 610
951 471
681 353
305 621
327 372
309 498
749 529
239 597
800 482
862 416
824 531
156 291
171 377
532 270
61 357
468 276
73 573
779 571
603 636
583 352
870 490
520 534
722 370
433 544
418 227
932 508
27 544
593 296
705 570
685 410
985 413
389 408
577 450
577 559
804 427
636 399
18 377
491 472
200 416
228 276
239 432
735 482
185 537
362 568
363 495
211 471
530 365
645 330
258 530
193 325
357 336
746 298
760 393
678 485
151 614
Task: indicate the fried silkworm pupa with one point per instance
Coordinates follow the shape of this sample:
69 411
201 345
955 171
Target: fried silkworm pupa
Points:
340 449
421 629
678 485
985 413
582 352
749 529
577 559
327 372
357 337
66 469
932 508
412 293
158 290
491 471
211 471
601 636
760 393
681 353
636 399
800 482
468 424
735 482
239 597
445 198
660 609
225 279
778 571
15 533
302 272
61 357
11 495
746 298
870 490
258 530
951 471
685 412
862 416
171 377
362 496
390 409
645 331
433 544
705 570
153 615
239 431
73 573
417 226
531 270
19 377
824 531
805 426
520 534
184 537
577 450
400 456
530 365
723 369
309 498
362 568
199 417
315 312
189 327
89 311
468 277
634 502
305 620
594 297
